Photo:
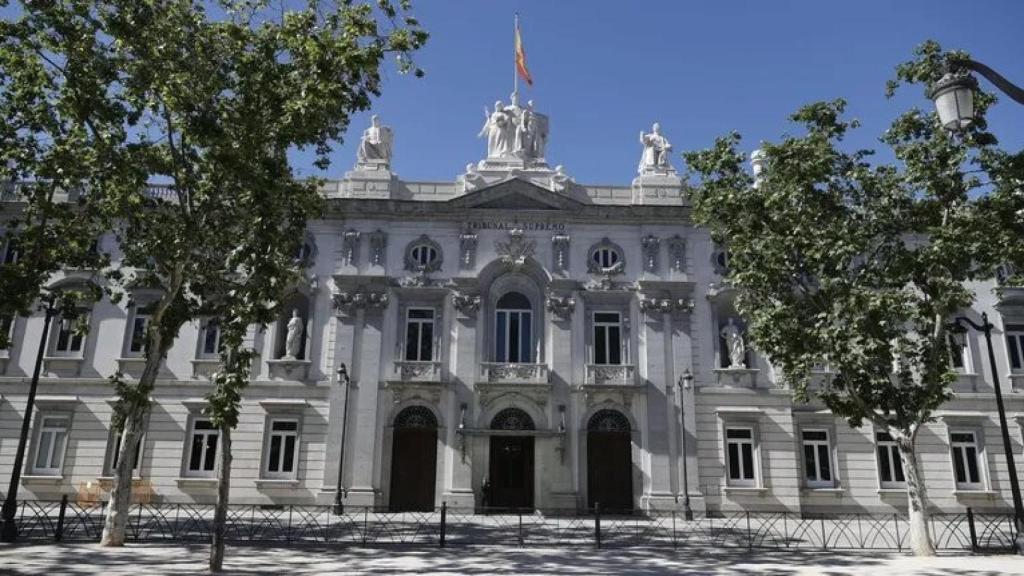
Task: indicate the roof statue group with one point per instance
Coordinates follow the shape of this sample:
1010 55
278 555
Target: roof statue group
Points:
515 132
516 135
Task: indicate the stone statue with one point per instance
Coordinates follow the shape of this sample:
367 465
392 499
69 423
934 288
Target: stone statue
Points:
559 180
375 145
472 178
757 165
538 132
498 128
293 339
736 347
656 150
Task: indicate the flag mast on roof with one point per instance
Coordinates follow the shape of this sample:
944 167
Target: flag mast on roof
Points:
520 61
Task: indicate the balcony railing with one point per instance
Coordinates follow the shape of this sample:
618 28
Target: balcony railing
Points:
416 371
504 373
611 375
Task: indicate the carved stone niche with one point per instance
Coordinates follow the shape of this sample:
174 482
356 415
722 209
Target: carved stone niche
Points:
650 245
378 247
560 253
350 247
676 253
467 250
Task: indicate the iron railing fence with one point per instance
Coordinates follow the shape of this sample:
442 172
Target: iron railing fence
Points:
69 521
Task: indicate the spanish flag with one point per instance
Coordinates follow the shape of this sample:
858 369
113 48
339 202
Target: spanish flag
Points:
524 73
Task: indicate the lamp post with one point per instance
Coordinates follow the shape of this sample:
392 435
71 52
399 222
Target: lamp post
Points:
344 380
685 382
953 94
1011 468
9 532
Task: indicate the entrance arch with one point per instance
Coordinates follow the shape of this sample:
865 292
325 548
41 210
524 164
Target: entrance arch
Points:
510 483
609 461
414 460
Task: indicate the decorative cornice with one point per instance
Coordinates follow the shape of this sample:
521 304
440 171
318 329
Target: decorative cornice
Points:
561 305
348 302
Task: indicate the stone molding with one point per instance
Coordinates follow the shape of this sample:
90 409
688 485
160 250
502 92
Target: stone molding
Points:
560 253
350 247
676 253
651 246
467 250
378 247
561 305
350 301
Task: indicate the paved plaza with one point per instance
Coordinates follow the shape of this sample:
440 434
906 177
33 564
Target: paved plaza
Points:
145 559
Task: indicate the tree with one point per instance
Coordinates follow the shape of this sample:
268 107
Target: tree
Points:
835 258
207 97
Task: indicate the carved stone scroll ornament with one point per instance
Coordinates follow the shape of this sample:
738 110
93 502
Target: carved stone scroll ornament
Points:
676 253
561 305
666 305
516 250
465 303
348 302
650 245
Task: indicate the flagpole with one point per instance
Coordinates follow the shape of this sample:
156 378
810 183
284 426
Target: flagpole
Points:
515 74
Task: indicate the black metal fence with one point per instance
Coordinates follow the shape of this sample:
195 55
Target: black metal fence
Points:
68 521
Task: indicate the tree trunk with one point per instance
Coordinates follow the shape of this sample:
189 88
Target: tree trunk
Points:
220 513
116 522
137 407
920 539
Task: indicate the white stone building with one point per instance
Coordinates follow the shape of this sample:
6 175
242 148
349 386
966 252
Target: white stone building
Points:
513 339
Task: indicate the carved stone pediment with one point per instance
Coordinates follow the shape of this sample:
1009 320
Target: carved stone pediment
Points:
537 394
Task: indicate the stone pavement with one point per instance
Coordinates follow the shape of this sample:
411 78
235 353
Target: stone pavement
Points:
147 559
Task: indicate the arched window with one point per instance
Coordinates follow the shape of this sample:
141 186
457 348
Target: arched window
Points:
416 417
423 255
606 257
513 336
608 421
512 419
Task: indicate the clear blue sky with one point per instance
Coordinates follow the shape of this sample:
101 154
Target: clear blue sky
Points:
605 70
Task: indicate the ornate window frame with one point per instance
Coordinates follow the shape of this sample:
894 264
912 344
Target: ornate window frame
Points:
617 267
412 263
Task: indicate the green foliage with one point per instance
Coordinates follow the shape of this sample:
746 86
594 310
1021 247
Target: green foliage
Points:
861 265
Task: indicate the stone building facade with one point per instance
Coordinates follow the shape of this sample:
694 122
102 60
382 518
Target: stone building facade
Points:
512 338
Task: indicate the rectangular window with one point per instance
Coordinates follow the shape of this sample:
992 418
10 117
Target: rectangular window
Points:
890 467
116 437
1015 344
607 338
66 341
137 342
210 343
7 327
966 465
957 355
817 459
282 448
202 451
419 334
740 457
50 445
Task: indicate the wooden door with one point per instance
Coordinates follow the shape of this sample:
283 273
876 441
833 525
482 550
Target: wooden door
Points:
609 462
413 462
511 472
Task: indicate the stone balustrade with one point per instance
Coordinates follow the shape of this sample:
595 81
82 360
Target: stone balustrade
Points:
416 371
610 375
504 373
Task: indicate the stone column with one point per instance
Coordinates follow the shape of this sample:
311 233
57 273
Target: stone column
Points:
658 369
561 309
462 371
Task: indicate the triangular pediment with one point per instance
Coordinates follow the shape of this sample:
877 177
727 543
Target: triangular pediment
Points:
515 194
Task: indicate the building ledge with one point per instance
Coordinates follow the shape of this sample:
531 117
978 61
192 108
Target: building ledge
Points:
41 479
975 493
810 490
197 482
891 491
760 490
289 369
272 483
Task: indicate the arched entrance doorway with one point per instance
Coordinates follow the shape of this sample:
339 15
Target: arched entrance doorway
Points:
609 461
413 460
510 482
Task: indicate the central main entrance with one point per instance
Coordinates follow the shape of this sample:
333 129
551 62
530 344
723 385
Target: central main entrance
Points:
510 483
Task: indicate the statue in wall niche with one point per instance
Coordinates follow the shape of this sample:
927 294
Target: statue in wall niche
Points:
375 145
293 337
656 151
734 343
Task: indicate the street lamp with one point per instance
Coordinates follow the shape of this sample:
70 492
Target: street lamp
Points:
685 382
1011 468
344 380
9 532
953 94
